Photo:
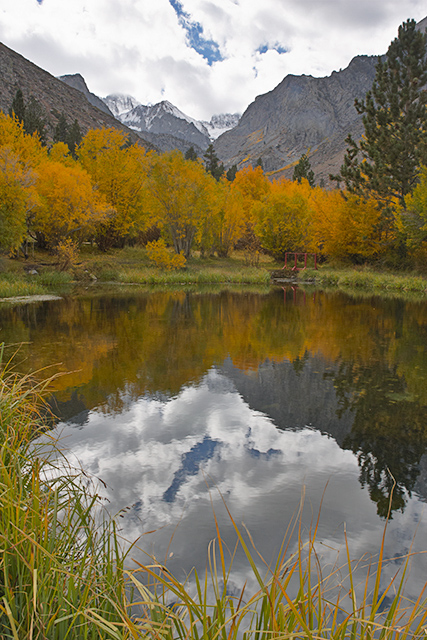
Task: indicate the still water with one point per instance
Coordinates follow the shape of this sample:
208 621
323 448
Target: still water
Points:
182 402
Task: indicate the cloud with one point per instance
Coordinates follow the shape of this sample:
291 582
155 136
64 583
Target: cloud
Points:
205 56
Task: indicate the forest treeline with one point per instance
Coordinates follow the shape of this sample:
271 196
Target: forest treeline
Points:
114 193
103 189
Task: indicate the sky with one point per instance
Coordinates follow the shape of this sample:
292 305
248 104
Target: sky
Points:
204 56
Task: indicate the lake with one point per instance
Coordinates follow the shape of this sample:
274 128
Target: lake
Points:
184 402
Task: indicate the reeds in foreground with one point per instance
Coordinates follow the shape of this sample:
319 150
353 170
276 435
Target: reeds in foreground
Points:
63 575
317 608
60 571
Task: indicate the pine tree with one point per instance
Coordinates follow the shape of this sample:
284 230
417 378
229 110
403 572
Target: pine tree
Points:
71 135
34 120
387 160
231 172
303 170
191 154
74 138
17 110
212 163
61 130
32 115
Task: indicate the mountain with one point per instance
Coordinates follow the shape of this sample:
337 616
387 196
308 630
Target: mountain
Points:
55 96
165 118
166 126
120 103
221 123
301 115
78 82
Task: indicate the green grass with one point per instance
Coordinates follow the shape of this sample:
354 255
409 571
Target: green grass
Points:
367 280
14 285
63 573
52 278
208 275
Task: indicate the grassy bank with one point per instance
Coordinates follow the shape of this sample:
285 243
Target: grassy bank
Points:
366 279
125 266
63 576
131 266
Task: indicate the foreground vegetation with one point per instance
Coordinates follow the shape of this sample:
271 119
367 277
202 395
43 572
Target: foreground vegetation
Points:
63 572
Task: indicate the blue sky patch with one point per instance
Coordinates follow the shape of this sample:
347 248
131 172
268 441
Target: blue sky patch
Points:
208 49
275 47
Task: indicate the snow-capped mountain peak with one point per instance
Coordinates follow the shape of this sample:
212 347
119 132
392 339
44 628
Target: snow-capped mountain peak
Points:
166 118
221 123
120 103
170 108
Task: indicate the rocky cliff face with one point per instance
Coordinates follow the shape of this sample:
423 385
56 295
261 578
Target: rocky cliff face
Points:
55 96
301 115
78 82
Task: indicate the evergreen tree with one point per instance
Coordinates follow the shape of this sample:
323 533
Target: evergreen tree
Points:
258 163
303 170
17 110
71 135
190 154
32 115
34 120
61 130
212 163
231 173
387 160
74 138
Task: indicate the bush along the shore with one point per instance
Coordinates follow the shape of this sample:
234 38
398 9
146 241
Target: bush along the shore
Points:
63 575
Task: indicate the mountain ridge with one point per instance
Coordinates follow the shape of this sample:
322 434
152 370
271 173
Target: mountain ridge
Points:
302 114
55 96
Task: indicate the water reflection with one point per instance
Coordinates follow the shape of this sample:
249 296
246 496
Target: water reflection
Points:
251 394
172 461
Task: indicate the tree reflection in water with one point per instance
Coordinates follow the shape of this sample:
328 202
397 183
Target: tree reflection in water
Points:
389 432
355 368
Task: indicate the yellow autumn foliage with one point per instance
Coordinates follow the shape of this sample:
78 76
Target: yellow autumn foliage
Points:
119 173
68 205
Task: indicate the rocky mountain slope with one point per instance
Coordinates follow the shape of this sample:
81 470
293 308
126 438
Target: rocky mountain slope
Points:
55 96
301 115
78 82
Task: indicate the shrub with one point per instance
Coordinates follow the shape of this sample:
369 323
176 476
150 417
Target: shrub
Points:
162 258
68 254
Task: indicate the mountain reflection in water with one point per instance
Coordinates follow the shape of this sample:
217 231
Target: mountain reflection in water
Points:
180 400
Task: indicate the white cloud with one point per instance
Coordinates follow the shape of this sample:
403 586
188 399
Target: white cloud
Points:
139 46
